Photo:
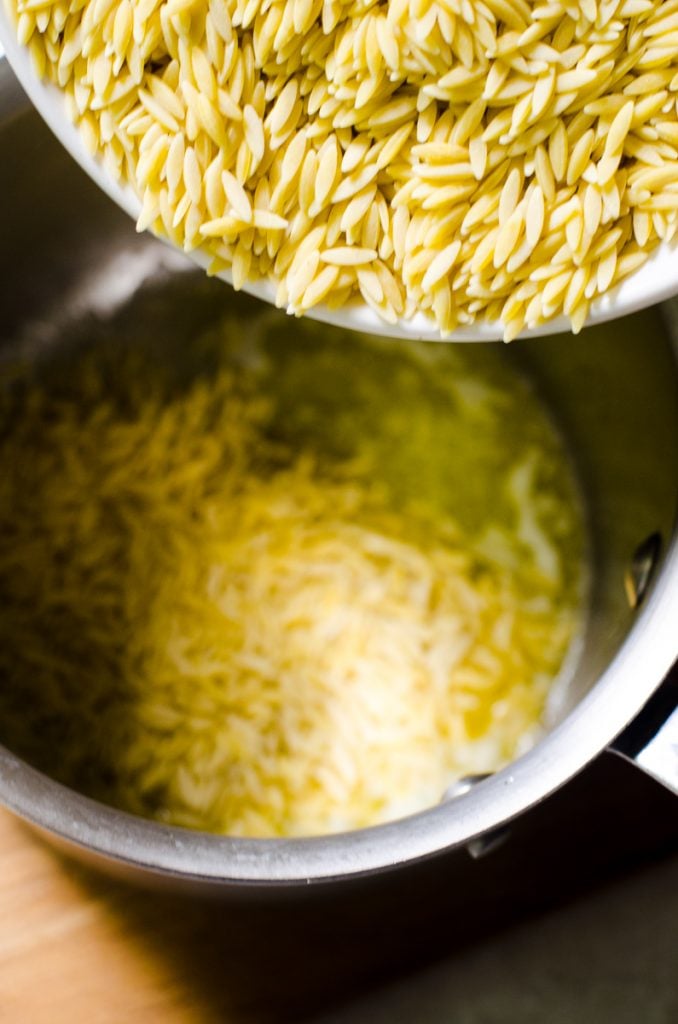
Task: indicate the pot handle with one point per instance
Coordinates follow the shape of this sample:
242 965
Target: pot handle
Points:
651 740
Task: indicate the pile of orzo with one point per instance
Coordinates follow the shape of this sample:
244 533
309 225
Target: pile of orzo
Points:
473 159
230 604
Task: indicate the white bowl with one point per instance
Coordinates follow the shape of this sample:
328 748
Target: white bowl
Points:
654 282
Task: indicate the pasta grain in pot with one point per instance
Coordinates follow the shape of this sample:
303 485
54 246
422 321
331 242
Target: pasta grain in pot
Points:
258 596
504 160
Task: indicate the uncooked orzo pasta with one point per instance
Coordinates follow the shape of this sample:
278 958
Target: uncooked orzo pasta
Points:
498 159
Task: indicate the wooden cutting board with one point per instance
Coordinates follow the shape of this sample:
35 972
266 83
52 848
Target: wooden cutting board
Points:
68 954
79 948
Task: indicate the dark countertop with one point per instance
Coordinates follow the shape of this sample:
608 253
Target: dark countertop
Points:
610 957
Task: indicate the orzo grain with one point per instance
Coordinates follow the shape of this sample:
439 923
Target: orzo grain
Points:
428 111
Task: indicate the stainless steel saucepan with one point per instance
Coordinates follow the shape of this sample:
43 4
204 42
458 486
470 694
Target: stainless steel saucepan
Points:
67 252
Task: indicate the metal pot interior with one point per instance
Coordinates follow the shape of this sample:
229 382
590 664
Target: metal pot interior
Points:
66 252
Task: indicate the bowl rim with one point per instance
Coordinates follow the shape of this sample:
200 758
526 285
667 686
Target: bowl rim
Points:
655 281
